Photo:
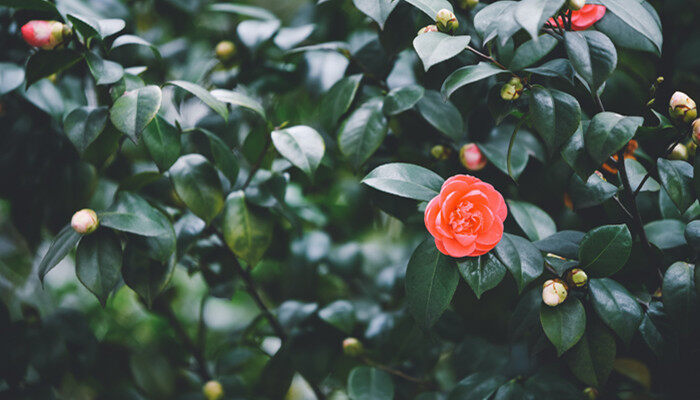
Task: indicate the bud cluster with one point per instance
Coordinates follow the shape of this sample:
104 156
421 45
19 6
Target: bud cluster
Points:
512 90
45 34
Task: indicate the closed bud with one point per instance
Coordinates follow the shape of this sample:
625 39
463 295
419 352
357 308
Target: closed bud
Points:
696 131
679 152
692 149
84 221
45 34
428 28
468 4
213 390
353 347
440 152
471 157
575 5
600 175
225 50
446 21
512 90
554 292
576 278
590 393
682 107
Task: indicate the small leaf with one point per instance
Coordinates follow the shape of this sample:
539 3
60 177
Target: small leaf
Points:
197 183
125 40
366 383
336 102
564 324
616 307
536 223
677 179
592 55
607 133
591 360
405 180
482 273
301 145
98 263
469 74
523 260
402 99
145 276
84 124
224 159
105 72
436 47
555 116
215 104
431 281
604 250
244 10
162 141
363 132
11 77
340 314
48 62
248 233
135 109
62 244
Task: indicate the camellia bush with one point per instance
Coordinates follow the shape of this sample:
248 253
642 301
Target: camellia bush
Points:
349 199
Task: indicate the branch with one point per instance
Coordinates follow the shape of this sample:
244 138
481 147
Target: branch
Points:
485 57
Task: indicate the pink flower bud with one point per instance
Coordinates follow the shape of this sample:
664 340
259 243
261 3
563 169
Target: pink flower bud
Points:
696 131
428 28
85 221
682 107
353 347
45 34
554 292
472 158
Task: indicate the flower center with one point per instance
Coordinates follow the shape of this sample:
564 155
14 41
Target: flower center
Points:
464 219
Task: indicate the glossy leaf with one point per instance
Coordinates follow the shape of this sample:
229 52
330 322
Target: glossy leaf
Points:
367 383
402 99
677 179
536 223
564 324
301 145
666 233
363 132
592 55
239 99
680 297
105 72
523 260
558 68
436 47
616 307
131 213
248 232
442 115
604 250
636 173
336 102
145 276
607 133
405 180
431 7
532 51
555 116
215 104
378 10
532 14
197 183
11 77
98 263
84 124
639 18
62 244
480 385
48 62
563 243
162 141
591 360
469 74
135 109
482 273
340 314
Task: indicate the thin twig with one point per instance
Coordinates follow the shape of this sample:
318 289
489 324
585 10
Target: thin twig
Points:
393 371
485 57
648 174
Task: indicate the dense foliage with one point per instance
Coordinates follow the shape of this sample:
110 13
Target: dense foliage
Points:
268 199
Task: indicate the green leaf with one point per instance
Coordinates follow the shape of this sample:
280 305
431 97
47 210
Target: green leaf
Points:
536 223
482 273
592 55
104 71
244 10
239 99
564 324
497 19
478 386
336 102
511 390
145 276
11 77
135 109
666 233
639 17
431 7
442 115
224 158
575 154
126 40
469 74
162 141
555 116
214 103
522 258
98 263
378 10
604 250
402 99
562 243
247 232
366 383
591 360
696 175
254 33
436 47
593 192
532 51
340 314
131 213
301 145
616 307
363 132
431 281
197 184
37 5
405 180
84 124
692 234
607 133
636 173
649 330
680 296
623 35
532 14
496 149
677 179
559 67
62 244
44 63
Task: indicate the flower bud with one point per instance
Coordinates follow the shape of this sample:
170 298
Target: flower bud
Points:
554 292
45 34
213 390
446 21
353 347
428 28
468 4
440 152
600 175
84 221
575 5
576 277
590 393
512 90
471 157
679 152
682 107
696 131
225 50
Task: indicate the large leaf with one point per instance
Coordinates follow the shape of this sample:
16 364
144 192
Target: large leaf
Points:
367 383
442 115
604 250
402 99
564 324
574 153
145 276
84 124
431 7
680 296
482 273
197 184
239 99
638 15
536 223
532 51
555 116
677 179
636 173
248 232
436 47
592 55
363 132
616 307
563 243
131 213
214 103
135 109
523 260
11 77
431 281
224 158
301 145
607 133
62 244
104 71
98 263
162 141
336 102
497 19
405 180
48 62
558 68
532 14
591 360
378 10
469 74
666 233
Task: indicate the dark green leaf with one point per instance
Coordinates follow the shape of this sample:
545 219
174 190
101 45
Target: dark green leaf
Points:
301 145
131 213
336 102
593 192
666 233
62 244
607 133
104 71
532 51
197 183
248 232
436 47
366 383
692 234
431 7
564 324
532 14
48 62
497 19
591 360
98 263
559 67
135 109
616 307
145 276
215 104
536 223
340 314
604 250
679 295
442 115
84 124
402 99
162 141
378 10
639 17
244 10
636 173
523 260
363 132
239 99
482 273
38 5
405 180
478 386
224 158
575 154
677 179
469 74
592 55
563 243
125 40
11 77
555 116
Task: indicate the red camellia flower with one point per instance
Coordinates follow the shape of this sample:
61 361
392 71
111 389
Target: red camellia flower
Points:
584 18
466 218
